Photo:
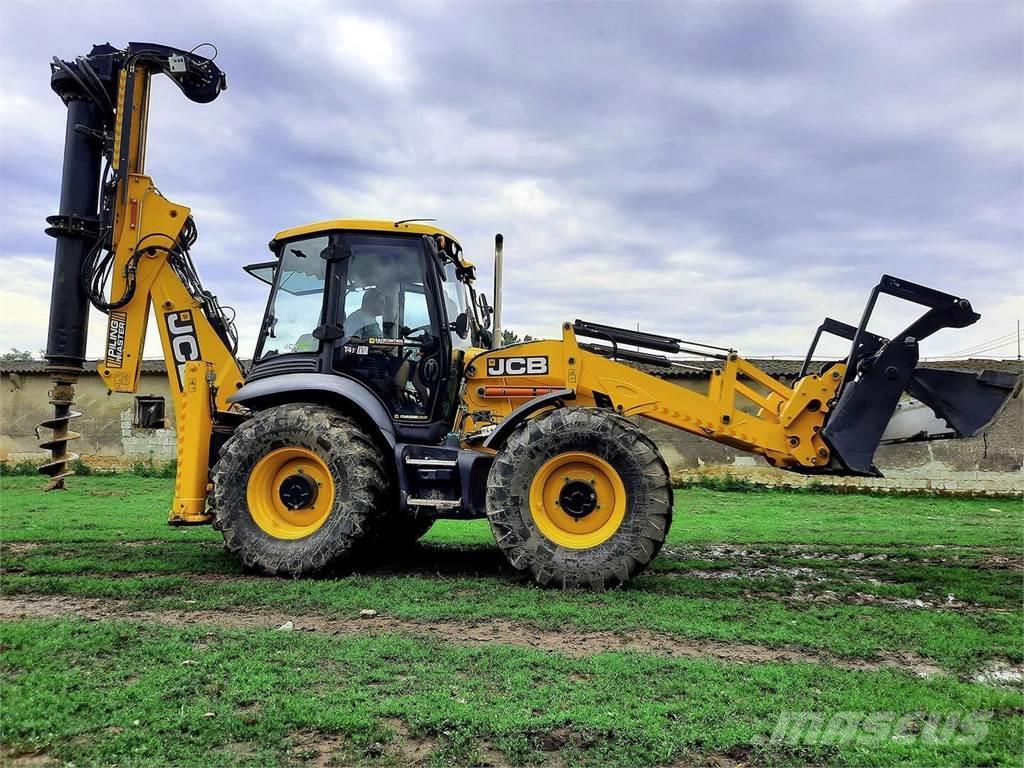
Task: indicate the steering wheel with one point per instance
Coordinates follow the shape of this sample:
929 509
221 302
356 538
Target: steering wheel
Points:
419 334
423 330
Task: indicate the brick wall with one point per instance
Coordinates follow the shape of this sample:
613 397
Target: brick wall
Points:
148 444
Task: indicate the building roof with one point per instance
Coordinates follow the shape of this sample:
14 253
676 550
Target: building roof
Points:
39 366
694 369
789 368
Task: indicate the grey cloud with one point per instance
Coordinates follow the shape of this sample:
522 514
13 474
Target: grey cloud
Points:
801 149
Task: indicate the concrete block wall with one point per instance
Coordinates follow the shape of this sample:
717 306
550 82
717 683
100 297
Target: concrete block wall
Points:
147 444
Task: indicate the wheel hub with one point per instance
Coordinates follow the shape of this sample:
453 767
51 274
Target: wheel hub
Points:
577 499
297 491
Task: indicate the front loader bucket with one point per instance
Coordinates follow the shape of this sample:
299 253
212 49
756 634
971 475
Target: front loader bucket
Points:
967 401
879 371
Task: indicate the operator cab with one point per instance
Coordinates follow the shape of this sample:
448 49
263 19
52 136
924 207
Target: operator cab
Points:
390 305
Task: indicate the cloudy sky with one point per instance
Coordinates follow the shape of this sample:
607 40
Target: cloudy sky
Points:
729 172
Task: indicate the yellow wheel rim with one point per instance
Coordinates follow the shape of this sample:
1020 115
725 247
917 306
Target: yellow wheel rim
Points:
577 500
282 471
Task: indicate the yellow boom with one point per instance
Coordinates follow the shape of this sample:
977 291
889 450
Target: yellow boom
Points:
783 426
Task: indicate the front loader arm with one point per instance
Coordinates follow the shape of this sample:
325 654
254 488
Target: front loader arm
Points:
829 422
783 426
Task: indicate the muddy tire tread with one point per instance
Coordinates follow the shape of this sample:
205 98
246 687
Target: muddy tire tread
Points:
634 456
355 462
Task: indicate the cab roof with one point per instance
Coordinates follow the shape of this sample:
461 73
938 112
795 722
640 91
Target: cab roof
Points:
372 225
367 225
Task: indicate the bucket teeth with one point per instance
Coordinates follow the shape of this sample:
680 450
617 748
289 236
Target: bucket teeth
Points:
61 397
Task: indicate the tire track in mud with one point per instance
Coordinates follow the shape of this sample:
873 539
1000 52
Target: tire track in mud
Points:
566 642
984 558
798 596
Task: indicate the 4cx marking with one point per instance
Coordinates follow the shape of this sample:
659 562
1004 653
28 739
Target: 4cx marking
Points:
517 366
181 332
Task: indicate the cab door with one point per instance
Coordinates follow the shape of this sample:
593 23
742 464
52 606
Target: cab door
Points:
393 330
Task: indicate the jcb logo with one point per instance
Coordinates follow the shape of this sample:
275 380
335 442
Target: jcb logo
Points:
517 366
181 331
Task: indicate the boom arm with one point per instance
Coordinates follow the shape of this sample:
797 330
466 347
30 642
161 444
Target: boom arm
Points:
830 422
201 367
139 241
785 428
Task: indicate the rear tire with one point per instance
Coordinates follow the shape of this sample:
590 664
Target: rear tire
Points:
579 497
334 466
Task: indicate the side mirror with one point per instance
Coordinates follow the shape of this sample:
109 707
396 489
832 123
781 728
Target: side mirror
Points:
462 325
486 311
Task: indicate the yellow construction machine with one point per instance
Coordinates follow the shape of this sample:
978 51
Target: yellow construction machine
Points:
379 398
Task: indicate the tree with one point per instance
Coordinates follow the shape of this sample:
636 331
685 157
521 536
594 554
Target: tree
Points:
15 356
508 336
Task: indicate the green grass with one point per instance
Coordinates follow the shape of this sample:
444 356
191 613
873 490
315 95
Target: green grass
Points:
101 693
123 507
758 572
74 690
957 641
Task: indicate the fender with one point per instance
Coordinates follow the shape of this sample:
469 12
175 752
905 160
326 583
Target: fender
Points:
498 437
300 386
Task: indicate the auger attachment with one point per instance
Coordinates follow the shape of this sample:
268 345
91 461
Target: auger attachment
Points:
75 228
62 397
879 371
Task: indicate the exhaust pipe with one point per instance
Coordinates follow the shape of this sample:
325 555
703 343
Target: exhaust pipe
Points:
499 242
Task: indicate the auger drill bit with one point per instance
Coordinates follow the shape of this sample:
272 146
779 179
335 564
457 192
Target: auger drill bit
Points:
61 398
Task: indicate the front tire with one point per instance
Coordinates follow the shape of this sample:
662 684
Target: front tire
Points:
296 488
579 497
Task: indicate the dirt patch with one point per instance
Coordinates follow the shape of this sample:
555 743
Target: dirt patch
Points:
753 572
1001 674
756 555
803 577
407 749
563 737
565 642
316 749
1001 562
862 598
18 547
12 759
250 713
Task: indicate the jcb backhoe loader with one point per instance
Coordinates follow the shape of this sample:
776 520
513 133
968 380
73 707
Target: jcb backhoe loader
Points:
378 400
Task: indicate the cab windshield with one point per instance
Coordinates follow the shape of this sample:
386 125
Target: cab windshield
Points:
297 299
